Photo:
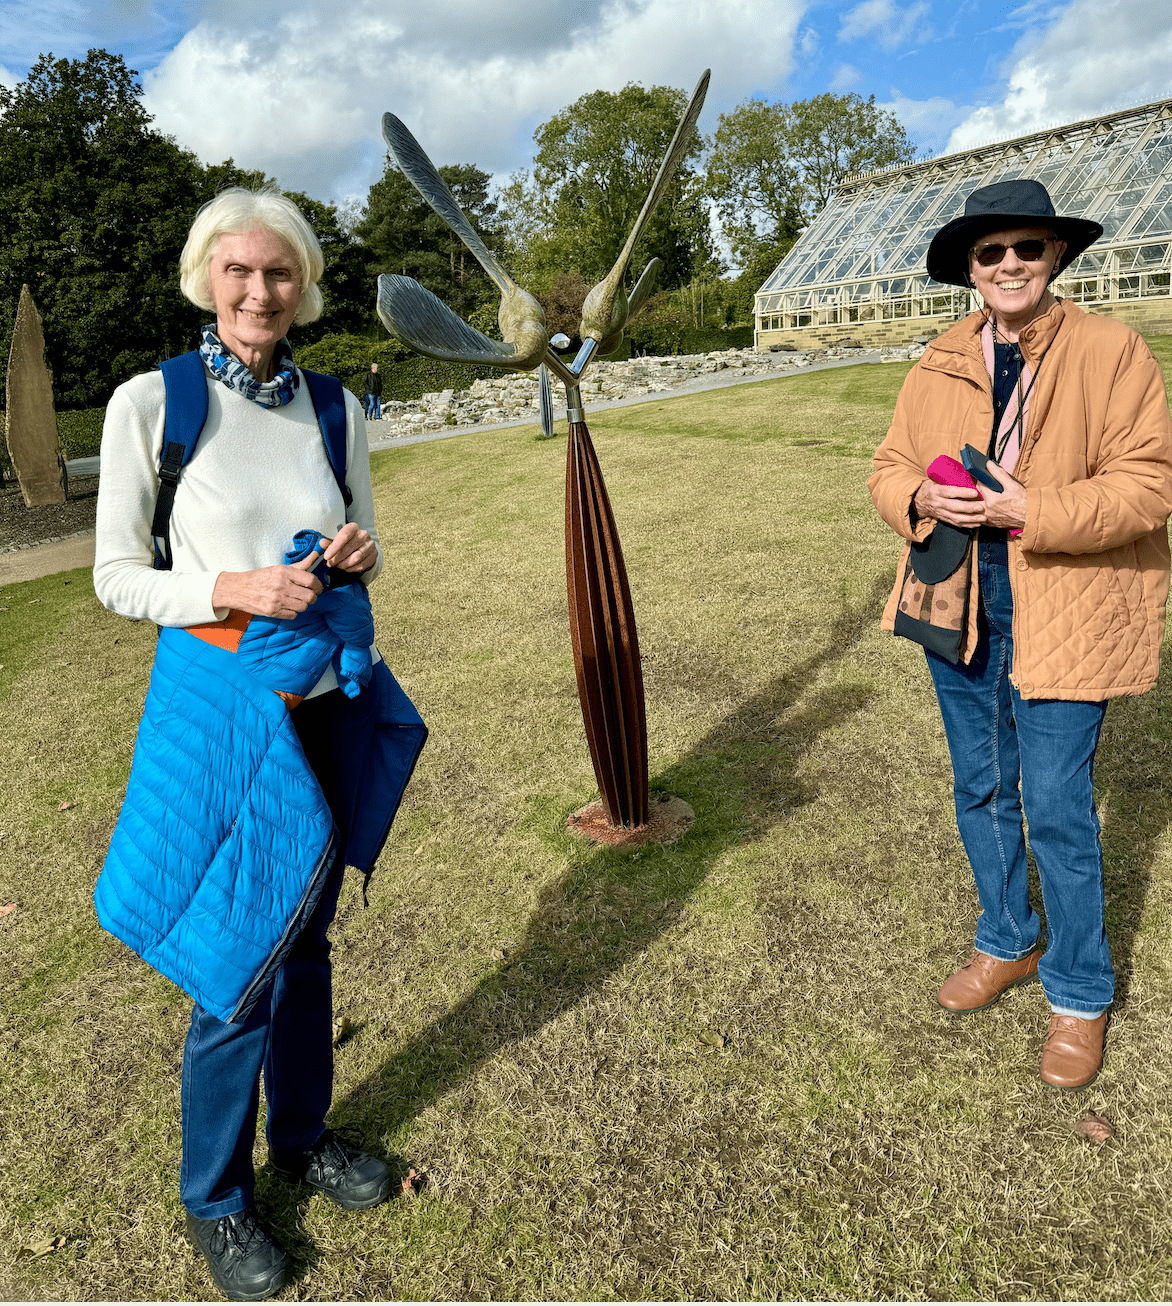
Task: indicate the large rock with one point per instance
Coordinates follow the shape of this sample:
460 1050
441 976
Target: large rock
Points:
31 425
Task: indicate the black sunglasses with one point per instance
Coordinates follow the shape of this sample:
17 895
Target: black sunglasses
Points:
1029 251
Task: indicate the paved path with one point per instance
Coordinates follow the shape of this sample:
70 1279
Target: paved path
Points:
47 559
65 555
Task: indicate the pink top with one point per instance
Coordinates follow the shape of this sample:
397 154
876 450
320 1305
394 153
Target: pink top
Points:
1008 459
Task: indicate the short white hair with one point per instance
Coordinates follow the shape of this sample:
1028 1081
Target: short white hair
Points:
237 209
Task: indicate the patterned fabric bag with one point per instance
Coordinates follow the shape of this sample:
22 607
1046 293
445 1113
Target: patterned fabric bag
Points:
934 595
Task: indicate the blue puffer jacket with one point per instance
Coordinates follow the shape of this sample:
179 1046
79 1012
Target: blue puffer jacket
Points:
225 839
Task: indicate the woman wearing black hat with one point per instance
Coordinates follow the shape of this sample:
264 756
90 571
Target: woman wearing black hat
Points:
1057 607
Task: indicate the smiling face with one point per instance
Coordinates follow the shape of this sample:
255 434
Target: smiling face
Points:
255 282
1015 287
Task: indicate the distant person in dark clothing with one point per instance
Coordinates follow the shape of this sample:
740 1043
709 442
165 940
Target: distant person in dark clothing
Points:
372 393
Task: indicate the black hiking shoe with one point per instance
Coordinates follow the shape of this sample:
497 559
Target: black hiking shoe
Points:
340 1169
247 1263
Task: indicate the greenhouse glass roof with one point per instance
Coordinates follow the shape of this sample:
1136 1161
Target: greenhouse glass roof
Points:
869 244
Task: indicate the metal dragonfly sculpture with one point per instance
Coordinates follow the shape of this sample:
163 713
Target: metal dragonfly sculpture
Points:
602 620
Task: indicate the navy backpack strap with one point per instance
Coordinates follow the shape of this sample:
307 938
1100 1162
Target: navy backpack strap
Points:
185 383
329 403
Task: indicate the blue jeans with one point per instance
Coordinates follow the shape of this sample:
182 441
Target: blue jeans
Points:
374 406
289 1032
1007 751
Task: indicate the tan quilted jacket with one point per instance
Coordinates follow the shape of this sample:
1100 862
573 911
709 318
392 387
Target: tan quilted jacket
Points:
1089 572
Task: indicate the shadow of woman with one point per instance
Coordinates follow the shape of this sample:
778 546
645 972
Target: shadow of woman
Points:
741 777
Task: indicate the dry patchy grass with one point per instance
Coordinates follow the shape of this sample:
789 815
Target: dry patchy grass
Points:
536 1024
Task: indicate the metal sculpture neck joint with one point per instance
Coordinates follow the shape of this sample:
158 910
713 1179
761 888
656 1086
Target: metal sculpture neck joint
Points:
585 354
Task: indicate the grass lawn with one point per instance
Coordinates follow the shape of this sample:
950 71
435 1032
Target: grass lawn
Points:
538 1026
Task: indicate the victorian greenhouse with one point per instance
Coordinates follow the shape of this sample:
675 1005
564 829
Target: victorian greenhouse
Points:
857 272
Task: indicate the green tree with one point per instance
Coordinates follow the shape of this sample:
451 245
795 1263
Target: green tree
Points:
773 167
348 282
741 290
751 176
94 207
594 165
403 234
836 135
563 302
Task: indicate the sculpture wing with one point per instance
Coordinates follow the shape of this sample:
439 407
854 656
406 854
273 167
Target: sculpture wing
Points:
642 288
545 398
606 310
421 172
427 324
671 161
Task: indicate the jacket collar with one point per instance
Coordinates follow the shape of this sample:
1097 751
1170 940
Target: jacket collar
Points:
959 349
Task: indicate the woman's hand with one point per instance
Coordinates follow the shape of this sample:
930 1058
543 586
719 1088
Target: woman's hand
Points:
269 591
1009 507
351 549
956 504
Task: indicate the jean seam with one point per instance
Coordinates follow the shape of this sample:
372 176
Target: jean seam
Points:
994 808
185 1103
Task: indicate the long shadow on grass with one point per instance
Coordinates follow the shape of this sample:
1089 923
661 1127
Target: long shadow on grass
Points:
741 778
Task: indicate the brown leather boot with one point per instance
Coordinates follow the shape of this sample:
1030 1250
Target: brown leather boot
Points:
1073 1052
983 979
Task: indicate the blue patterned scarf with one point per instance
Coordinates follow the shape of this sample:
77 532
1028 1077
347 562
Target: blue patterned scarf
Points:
226 367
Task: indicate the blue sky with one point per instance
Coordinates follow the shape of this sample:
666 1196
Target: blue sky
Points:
298 87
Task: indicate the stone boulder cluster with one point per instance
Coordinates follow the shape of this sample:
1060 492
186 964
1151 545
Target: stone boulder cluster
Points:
513 396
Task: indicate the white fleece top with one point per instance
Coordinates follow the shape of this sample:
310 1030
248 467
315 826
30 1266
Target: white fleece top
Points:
257 477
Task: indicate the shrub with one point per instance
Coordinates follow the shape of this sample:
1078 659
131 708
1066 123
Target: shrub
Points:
80 432
664 327
406 374
563 304
348 357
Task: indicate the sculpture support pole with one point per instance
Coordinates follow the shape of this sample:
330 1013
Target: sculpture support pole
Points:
602 631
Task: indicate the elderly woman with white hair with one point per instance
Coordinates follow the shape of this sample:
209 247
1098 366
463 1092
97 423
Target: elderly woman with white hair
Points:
260 474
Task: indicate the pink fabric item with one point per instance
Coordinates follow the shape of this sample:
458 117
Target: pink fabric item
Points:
947 471
1008 460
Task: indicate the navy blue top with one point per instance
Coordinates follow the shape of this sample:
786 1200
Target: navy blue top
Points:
1007 364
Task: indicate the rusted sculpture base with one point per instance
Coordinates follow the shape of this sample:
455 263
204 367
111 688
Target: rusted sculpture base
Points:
604 639
668 818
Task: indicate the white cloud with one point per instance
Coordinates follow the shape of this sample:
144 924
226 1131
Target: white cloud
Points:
891 25
1097 56
302 96
927 121
846 78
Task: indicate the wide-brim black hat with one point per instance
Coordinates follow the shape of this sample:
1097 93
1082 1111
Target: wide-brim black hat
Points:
1000 207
